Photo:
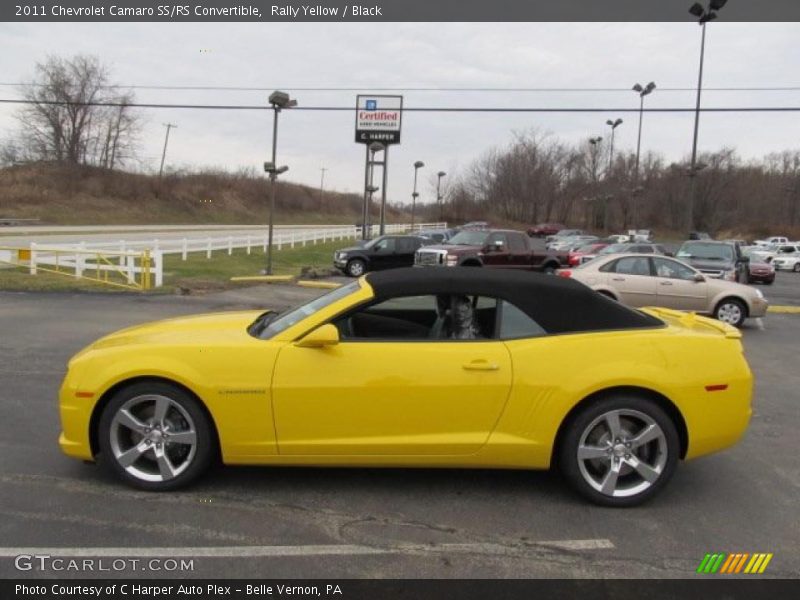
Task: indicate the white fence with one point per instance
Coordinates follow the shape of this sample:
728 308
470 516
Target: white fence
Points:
122 255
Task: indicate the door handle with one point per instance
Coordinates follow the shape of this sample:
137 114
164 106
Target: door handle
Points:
617 279
480 365
665 283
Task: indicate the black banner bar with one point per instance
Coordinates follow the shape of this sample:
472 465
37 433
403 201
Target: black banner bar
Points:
717 587
389 10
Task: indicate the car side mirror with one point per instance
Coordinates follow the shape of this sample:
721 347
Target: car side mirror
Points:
321 337
699 278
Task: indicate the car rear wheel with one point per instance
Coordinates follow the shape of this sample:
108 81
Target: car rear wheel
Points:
155 436
356 267
619 451
731 311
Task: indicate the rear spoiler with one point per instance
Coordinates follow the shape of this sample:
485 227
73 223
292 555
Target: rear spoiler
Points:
690 319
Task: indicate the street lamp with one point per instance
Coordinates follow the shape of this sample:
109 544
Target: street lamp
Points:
595 143
440 174
703 16
613 125
278 100
414 195
642 91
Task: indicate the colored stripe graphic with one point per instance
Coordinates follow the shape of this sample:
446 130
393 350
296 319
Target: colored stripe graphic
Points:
734 563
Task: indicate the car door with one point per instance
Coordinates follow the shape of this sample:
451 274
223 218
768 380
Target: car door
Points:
384 253
391 386
519 248
406 247
631 278
496 252
678 287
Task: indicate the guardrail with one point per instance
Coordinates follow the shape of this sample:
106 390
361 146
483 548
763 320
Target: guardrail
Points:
112 260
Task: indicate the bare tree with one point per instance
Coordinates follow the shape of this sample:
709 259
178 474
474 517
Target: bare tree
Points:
74 116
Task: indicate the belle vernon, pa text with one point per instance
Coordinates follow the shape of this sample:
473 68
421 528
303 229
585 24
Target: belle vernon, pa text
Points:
156 591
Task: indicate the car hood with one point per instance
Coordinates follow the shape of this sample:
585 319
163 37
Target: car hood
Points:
351 249
206 328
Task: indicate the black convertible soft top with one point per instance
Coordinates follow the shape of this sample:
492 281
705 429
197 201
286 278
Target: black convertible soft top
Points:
558 304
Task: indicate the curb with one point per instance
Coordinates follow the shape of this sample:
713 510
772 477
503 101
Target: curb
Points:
786 310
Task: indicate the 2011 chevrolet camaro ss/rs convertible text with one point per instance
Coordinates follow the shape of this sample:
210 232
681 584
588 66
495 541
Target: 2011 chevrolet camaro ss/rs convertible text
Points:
469 368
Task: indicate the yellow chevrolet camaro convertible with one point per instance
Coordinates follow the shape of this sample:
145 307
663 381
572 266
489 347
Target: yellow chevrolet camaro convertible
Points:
417 367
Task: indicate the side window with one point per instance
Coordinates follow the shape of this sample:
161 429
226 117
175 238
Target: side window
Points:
672 269
497 237
516 324
516 243
633 265
416 318
406 245
386 245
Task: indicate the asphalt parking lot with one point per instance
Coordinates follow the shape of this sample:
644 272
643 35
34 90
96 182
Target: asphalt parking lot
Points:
381 523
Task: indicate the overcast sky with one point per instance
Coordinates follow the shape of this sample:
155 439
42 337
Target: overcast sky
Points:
519 55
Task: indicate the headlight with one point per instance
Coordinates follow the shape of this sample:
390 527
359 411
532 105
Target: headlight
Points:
729 275
759 293
451 260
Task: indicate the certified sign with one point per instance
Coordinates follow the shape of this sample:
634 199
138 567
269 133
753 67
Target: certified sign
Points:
378 119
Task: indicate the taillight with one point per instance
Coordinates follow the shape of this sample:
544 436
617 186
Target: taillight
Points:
565 273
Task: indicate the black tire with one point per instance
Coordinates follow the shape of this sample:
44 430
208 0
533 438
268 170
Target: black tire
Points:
731 311
356 267
796 267
550 268
770 281
183 416
662 452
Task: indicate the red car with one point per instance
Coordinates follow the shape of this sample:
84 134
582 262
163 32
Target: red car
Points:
574 257
544 229
762 272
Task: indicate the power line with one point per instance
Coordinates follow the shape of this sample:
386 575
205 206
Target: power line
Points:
478 109
420 89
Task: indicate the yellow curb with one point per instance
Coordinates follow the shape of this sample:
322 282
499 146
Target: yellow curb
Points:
328 285
267 278
788 310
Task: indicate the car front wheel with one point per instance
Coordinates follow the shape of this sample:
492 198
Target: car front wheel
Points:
619 451
731 311
356 267
796 268
155 436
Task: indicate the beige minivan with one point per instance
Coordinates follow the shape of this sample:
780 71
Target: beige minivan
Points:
647 280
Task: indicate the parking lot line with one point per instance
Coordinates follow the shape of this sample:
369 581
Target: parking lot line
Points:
306 550
789 310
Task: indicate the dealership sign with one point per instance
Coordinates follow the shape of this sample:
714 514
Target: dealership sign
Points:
378 119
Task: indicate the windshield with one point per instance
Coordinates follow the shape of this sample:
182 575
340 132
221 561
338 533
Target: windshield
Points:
469 238
614 249
273 323
706 251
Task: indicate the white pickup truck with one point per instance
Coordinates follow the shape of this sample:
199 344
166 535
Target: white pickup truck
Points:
771 241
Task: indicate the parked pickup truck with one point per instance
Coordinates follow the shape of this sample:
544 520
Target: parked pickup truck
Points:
498 248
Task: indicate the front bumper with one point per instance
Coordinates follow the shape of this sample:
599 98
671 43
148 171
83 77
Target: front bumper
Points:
758 307
75 418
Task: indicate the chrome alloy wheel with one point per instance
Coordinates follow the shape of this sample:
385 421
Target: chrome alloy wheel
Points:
622 453
153 438
730 313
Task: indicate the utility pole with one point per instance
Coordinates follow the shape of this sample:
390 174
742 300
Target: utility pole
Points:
164 152
321 184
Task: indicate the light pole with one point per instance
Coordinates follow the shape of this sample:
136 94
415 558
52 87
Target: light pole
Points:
321 185
164 152
642 91
703 16
440 174
613 125
595 151
278 100
414 195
